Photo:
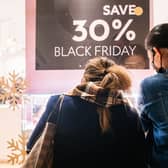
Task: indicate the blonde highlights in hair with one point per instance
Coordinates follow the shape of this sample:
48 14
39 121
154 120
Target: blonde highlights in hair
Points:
107 74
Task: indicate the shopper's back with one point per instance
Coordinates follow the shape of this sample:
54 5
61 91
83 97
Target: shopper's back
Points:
81 143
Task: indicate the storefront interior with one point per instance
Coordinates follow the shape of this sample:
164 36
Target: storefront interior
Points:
25 87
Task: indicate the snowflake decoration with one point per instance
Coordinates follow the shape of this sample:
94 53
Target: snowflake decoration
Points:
18 154
12 89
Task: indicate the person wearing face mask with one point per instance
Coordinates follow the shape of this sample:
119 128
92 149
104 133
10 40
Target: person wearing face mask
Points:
153 100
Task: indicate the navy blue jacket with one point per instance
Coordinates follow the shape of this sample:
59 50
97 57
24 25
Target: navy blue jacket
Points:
80 142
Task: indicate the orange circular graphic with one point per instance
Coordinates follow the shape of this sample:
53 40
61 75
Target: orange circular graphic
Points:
138 11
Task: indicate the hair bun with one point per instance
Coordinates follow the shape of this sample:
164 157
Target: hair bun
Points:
110 80
117 78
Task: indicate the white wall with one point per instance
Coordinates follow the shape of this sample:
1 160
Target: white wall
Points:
160 11
12 36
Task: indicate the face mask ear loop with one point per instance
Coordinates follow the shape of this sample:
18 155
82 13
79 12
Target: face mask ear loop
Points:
161 69
153 55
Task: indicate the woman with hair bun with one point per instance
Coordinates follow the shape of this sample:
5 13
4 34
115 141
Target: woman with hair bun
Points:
97 125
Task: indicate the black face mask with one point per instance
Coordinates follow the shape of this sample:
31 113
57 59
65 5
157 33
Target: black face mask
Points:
161 70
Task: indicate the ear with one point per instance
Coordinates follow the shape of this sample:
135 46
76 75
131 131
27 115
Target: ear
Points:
156 51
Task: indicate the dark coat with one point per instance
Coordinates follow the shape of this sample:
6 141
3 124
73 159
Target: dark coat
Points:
81 143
